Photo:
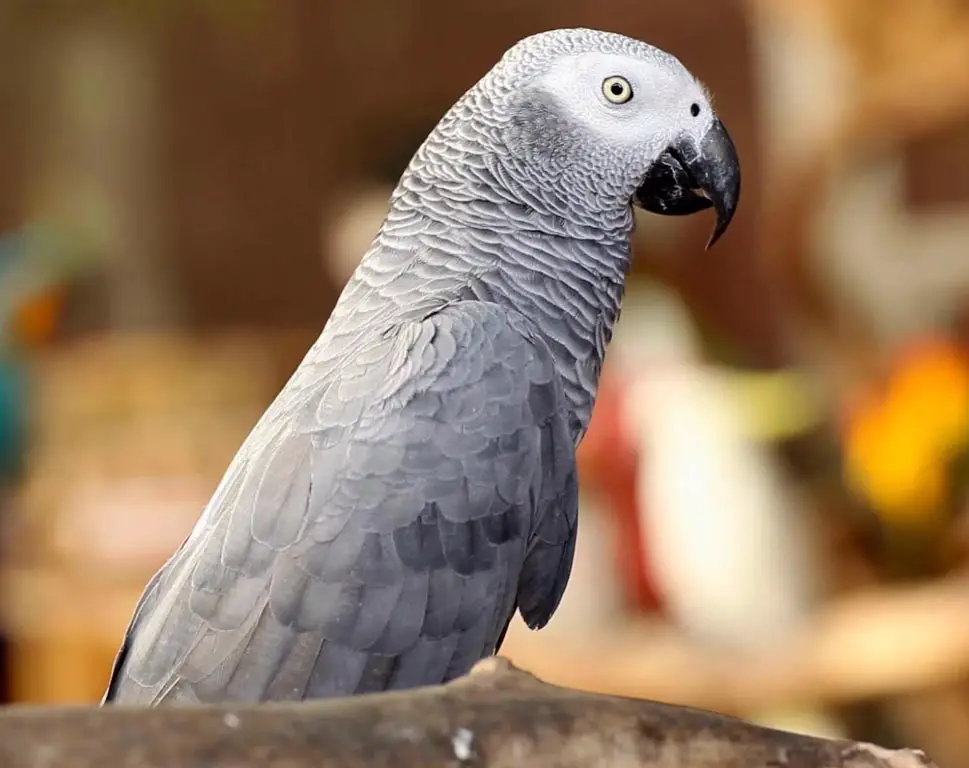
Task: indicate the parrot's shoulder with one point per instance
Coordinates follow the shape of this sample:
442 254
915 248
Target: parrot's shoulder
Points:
456 344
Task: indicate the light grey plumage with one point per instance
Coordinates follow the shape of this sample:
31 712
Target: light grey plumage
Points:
414 482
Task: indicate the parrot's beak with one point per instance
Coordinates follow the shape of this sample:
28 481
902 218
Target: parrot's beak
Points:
690 177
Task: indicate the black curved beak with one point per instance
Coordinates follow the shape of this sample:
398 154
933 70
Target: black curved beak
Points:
690 177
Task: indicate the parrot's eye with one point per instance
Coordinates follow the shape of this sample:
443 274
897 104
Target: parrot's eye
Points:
694 109
617 89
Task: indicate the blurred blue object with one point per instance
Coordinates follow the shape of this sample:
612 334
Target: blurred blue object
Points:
13 416
14 289
33 260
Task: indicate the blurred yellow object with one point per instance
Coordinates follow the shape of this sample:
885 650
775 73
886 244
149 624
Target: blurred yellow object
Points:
934 388
777 405
897 446
34 321
892 462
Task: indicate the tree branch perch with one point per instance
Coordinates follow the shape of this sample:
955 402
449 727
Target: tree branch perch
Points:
497 716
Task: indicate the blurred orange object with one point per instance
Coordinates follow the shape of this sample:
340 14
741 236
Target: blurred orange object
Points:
897 442
35 321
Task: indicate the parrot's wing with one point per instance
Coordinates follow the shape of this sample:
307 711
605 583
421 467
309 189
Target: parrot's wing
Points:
378 527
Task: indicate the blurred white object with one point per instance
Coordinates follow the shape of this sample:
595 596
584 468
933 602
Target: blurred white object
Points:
349 232
729 542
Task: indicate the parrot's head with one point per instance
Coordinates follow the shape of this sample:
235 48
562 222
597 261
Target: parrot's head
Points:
612 121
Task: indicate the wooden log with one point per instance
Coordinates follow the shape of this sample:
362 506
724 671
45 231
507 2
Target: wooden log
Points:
497 716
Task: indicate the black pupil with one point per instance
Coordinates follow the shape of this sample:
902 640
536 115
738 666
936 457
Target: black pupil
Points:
694 109
617 89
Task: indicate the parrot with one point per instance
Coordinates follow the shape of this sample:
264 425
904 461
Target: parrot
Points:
413 484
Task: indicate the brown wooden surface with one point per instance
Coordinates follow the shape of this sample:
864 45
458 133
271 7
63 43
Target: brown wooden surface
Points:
496 717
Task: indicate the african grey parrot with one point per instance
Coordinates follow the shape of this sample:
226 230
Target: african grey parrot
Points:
414 483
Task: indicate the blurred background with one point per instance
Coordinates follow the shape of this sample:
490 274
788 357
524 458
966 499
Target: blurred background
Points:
774 516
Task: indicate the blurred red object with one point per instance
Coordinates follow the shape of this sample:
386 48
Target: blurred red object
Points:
608 464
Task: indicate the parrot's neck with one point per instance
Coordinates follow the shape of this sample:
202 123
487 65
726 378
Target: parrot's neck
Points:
465 223
575 303
570 287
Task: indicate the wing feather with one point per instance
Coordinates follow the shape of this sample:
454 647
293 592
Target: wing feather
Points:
379 526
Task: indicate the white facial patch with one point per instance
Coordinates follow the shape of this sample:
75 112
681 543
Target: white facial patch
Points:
658 112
